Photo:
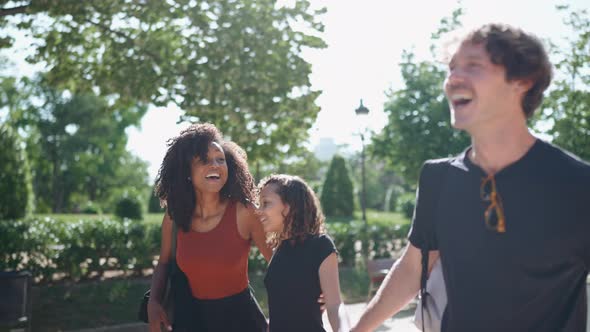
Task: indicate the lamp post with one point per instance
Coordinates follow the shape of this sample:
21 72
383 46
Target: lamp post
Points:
363 112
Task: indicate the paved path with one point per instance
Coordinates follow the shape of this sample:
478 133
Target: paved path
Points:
402 322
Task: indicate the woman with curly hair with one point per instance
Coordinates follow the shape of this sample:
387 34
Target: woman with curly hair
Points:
304 263
208 191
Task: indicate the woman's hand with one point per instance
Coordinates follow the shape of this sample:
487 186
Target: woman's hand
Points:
157 316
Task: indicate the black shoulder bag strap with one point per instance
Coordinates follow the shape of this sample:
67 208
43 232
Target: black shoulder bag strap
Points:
172 263
434 174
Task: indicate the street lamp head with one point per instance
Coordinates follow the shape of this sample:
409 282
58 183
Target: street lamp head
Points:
361 110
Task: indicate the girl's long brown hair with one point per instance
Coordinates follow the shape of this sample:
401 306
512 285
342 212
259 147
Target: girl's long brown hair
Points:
305 215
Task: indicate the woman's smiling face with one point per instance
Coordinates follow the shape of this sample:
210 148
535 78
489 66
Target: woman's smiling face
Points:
210 175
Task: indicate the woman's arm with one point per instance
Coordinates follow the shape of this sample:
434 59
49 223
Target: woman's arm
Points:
330 285
156 314
250 223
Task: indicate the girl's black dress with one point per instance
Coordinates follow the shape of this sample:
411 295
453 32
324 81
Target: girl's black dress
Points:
293 284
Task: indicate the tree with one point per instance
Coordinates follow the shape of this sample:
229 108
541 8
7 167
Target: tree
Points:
383 184
307 167
235 63
418 125
76 144
337 197
154 203
15 176
568 104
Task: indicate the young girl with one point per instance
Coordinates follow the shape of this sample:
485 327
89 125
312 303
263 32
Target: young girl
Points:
304 263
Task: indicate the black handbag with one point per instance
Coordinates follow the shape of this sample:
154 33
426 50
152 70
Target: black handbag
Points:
167 297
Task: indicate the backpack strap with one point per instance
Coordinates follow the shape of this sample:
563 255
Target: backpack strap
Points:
435 174
174 231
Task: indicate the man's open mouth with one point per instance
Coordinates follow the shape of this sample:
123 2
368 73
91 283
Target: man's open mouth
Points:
460 100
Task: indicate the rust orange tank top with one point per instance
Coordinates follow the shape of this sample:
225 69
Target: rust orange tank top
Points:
215 262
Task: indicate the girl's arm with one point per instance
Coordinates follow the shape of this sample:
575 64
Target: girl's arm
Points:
331 289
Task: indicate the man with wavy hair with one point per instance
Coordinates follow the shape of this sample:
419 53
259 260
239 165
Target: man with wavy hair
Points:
508 216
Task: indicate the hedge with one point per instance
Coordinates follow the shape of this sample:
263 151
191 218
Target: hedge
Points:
55 248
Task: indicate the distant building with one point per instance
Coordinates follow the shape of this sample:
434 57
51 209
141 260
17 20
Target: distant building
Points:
326 149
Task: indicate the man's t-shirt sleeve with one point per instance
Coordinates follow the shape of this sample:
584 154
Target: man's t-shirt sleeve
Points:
422 231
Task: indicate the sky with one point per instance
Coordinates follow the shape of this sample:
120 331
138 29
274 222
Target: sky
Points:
365 42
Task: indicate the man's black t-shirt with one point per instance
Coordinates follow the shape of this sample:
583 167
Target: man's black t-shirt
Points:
533 276
293 285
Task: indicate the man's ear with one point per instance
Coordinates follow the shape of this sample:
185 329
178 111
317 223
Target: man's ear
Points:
523 86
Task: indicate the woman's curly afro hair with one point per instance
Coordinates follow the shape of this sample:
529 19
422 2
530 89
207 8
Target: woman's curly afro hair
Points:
173 185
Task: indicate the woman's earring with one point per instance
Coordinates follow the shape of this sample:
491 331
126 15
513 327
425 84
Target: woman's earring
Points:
188 179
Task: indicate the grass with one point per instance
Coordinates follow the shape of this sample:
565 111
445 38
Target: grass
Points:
155 218
374 217
87 304
69 306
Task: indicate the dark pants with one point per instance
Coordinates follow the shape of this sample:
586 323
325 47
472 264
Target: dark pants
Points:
236 313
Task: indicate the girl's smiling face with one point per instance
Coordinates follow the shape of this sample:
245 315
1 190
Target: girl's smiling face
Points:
272 210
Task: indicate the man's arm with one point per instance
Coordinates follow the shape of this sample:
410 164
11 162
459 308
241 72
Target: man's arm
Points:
399 287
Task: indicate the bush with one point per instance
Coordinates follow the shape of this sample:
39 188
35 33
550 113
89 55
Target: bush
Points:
129 207
90 208
379 240
337 192
77 249
405 204
154 204
16 189
82 248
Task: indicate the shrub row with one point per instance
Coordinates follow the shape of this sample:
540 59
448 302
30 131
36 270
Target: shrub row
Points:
77 249
377 240
51 248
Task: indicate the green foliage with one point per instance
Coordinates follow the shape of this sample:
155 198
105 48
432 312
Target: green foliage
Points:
129 207
236 64
306 166
77 146
78 306
345 235
77 248
418 125
256 262
337 197
379 180
90 208
154 204
381 239
15 176
405 204
80 246
568 104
